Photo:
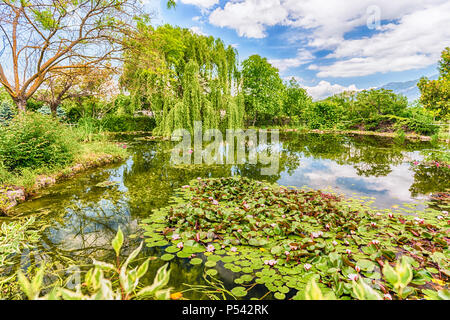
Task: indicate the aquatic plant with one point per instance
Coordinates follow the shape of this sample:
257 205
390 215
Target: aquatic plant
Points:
282 238
97 286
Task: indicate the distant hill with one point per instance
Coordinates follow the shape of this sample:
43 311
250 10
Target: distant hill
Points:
408 88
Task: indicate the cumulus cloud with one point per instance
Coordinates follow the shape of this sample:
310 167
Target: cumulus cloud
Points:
198 30
303 57
324 89
418 31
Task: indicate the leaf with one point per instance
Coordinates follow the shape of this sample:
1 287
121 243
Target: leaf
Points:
196 261
239 292
167 257
118 242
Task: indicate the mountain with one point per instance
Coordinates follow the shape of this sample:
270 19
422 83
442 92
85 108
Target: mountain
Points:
408 88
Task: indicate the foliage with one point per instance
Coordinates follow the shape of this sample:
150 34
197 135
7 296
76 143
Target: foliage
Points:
14 237
33 140
182 77
435 94
262 88
283 238
97 286
296 100
323 115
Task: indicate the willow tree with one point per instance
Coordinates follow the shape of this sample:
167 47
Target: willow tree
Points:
182 77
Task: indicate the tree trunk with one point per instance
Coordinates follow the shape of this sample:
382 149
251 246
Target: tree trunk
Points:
21 104
53 109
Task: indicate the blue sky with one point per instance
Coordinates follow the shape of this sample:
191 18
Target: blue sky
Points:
328 45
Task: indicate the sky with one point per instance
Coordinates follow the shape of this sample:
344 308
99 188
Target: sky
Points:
328 45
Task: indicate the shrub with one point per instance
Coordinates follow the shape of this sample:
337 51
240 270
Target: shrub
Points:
126 123
33 141
323 115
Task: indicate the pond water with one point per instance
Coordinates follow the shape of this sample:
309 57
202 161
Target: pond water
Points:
82 214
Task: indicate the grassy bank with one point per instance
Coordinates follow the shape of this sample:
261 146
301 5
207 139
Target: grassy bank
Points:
37 151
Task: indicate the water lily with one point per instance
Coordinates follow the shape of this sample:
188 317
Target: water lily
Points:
176 296
334 243
416 163
391 215
387 296
270 262
307 266
233 249
357 269
180 245
293 248
440 217
287 253
419 220
210 248
373 224
445 212
215 202
176 237
239 230
317 234
353 277
185 187
283 216
348 251
375 242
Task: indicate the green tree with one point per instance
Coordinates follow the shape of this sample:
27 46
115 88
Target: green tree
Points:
435 94
379 102
262 87
296 99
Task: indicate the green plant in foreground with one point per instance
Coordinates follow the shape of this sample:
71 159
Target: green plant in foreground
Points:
399 277
97 286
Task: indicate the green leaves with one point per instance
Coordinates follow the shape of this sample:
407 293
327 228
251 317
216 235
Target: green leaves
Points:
31 288
118 242
399 277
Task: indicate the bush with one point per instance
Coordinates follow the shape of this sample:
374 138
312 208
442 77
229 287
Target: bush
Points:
127 123
323 115
33 141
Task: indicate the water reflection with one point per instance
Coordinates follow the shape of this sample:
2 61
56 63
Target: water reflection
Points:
84 213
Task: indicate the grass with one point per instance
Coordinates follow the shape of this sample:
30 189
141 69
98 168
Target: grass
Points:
90 152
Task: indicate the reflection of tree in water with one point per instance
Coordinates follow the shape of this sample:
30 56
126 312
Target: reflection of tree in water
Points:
429 179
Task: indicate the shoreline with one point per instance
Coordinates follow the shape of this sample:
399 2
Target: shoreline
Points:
11 196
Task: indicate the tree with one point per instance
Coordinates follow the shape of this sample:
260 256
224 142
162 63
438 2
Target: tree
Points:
262 87
48 36
74 84
296 99
435 94
379 102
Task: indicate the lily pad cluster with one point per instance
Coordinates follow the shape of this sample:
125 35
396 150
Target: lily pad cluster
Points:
281 238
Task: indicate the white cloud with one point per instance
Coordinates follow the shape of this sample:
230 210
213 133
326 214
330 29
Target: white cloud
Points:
204 4
303 57
198 30
420 32
250 17
324 89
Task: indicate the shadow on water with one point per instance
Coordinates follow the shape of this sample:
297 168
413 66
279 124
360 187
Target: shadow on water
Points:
82 214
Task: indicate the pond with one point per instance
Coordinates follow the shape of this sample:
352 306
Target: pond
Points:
83 214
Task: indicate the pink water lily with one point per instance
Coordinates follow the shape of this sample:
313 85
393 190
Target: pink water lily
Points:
215 202
190 151
440 217
375 242
373 224
391 215
420 221
180 245
387 296
357 269
307 266
287 253
233 249
210 248
271 262
176 237
334 243
185 187
353 277
348 251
